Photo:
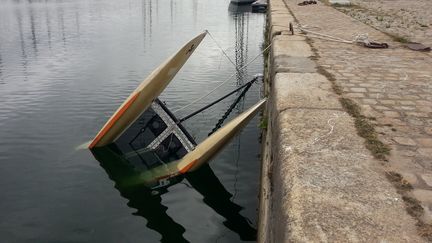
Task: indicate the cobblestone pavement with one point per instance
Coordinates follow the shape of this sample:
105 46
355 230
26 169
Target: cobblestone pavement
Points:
393 86
409 19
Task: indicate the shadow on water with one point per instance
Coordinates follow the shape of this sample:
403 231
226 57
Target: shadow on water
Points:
148 201
140 197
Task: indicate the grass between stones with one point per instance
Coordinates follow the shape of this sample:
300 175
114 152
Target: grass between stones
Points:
336 88
412 205
397 38
365 130
263 122
399 182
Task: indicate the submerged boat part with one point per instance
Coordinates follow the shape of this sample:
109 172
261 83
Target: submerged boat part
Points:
215 142
144 94
150 146
162 171
146 136
202 153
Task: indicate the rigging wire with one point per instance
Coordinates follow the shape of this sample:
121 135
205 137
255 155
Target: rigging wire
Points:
247 85
226 80
223 51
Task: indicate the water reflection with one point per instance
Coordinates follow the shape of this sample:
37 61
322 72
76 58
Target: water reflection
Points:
240 13
148 203
195 11
60 17
24 59
1 67
147 21
140 197
32 29
241 49
77 23
48 27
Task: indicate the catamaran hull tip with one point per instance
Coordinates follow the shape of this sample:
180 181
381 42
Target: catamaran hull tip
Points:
204 151
144 94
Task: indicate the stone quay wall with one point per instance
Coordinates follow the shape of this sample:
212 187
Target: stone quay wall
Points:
319 182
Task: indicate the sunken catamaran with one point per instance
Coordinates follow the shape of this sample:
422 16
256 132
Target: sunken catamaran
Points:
146 135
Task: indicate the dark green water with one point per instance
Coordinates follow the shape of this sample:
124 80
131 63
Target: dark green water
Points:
65 66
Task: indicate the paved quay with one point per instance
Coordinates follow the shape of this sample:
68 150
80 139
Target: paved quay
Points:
411 20
321 180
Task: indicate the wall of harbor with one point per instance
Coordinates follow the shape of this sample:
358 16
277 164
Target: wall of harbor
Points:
318 182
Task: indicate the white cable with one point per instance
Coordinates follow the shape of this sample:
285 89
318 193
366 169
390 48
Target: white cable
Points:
333 38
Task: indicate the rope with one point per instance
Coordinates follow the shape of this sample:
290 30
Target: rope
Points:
362 39
226 80
323 36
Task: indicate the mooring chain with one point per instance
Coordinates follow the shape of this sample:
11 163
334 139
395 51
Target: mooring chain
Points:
230 109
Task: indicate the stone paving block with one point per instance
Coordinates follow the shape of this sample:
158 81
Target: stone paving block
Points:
287 64
425 142
303 90
410 178
277 8
427 178
281 20
330 188
340 2
282 45
289 37
278 30
404 141
423 195
426 152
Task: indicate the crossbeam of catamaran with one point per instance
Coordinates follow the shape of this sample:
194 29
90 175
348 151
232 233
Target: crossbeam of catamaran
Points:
248 84
146 133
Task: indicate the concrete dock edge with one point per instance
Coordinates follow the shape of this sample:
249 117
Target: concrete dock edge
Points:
318 181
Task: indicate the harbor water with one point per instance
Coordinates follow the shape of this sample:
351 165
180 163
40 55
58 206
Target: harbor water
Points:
66 66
